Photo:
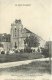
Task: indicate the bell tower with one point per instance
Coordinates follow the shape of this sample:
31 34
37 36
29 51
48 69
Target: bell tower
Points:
16 34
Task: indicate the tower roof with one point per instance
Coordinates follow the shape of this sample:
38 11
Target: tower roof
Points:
17 21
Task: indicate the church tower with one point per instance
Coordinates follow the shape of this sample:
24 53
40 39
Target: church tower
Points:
16 35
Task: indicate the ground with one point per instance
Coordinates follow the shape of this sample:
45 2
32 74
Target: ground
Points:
32 71
19 57
40 69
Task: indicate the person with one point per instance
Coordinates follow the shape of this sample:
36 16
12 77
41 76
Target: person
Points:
2 52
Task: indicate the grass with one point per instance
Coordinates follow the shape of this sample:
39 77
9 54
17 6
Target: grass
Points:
19 57
32 68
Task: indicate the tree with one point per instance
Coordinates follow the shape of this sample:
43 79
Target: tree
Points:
29 42
32 41
45 50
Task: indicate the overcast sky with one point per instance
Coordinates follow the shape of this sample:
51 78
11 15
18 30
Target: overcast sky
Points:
36 17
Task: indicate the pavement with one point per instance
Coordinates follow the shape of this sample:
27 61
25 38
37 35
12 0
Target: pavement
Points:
18 63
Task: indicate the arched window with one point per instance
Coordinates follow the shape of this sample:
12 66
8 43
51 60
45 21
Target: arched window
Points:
15 29
15 45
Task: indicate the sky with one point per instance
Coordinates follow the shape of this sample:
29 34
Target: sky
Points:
36 15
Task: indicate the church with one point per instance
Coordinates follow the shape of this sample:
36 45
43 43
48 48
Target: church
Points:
15 40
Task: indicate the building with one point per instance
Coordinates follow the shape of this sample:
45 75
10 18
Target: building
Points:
17 35
15 40
5 41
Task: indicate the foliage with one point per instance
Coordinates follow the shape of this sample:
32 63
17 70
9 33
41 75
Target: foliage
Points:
32 41
45 50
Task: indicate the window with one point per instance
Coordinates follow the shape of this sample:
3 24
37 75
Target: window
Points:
15 45
15 35
15 29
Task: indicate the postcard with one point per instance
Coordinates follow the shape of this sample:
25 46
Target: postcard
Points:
25 39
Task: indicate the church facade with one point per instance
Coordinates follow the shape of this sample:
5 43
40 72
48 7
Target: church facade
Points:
18 34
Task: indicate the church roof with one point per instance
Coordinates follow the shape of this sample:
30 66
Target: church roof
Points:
28 31
35 35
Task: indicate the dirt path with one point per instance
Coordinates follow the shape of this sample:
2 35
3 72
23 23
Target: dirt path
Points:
18 63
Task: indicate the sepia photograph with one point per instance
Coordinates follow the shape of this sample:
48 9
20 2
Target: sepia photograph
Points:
25 39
